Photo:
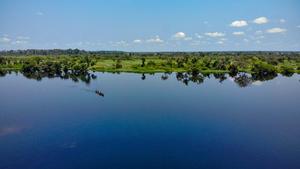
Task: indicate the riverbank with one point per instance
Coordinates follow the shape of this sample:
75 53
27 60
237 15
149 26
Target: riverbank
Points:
284 64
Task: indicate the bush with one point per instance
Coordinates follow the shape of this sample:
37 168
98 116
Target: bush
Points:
180 63
263 68
2 60
233 70
263 71
287 70
118 64
151 63
29 67
2 72
169 62
143 62
79 68
93 63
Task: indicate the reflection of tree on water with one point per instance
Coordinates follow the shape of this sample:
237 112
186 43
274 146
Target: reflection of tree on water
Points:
263 76
38 75
34 69
194 77
243 80
263 72
220 76
2 73
165 76
76 77
143 76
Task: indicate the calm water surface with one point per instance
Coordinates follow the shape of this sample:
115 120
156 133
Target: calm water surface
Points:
155 123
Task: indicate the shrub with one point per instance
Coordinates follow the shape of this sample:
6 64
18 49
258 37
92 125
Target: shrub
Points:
263 68
118 64
151 63
287 70
233 70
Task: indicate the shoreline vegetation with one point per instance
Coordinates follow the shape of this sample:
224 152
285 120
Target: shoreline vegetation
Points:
74 61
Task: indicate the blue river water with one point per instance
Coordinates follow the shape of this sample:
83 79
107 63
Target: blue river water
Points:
149 122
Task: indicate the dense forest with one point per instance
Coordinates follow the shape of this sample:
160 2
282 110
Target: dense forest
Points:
72 52
78 63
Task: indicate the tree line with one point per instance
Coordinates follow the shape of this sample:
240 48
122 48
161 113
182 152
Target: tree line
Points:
72 52
79 62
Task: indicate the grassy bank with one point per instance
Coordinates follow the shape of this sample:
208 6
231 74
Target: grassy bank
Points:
260 63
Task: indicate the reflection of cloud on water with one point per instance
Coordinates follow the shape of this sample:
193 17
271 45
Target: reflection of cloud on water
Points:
10 130
257 83
231 79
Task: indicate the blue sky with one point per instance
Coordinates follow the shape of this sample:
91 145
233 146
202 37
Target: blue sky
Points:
150 25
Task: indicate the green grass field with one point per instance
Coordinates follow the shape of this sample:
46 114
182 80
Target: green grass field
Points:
207 64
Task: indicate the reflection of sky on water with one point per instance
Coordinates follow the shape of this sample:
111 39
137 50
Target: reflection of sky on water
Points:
167 120
70 145
257 83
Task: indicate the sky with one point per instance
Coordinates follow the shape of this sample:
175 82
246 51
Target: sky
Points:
151 25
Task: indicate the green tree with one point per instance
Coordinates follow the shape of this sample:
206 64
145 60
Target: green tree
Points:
118 64
143 62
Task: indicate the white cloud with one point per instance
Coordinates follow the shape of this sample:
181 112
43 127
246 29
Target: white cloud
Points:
256 37
220 42
260 37
196 43
188 38
276 30
238 33
156 39
298 26
240 23
198 36
179 35
137 41
282 20
82 44
261 20
259 32
215 34
119 43
246 40
5 39
39 13
19 42
23 38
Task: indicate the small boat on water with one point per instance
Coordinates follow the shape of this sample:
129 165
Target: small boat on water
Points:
99 93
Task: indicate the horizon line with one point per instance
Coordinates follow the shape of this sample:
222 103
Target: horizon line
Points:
166 51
